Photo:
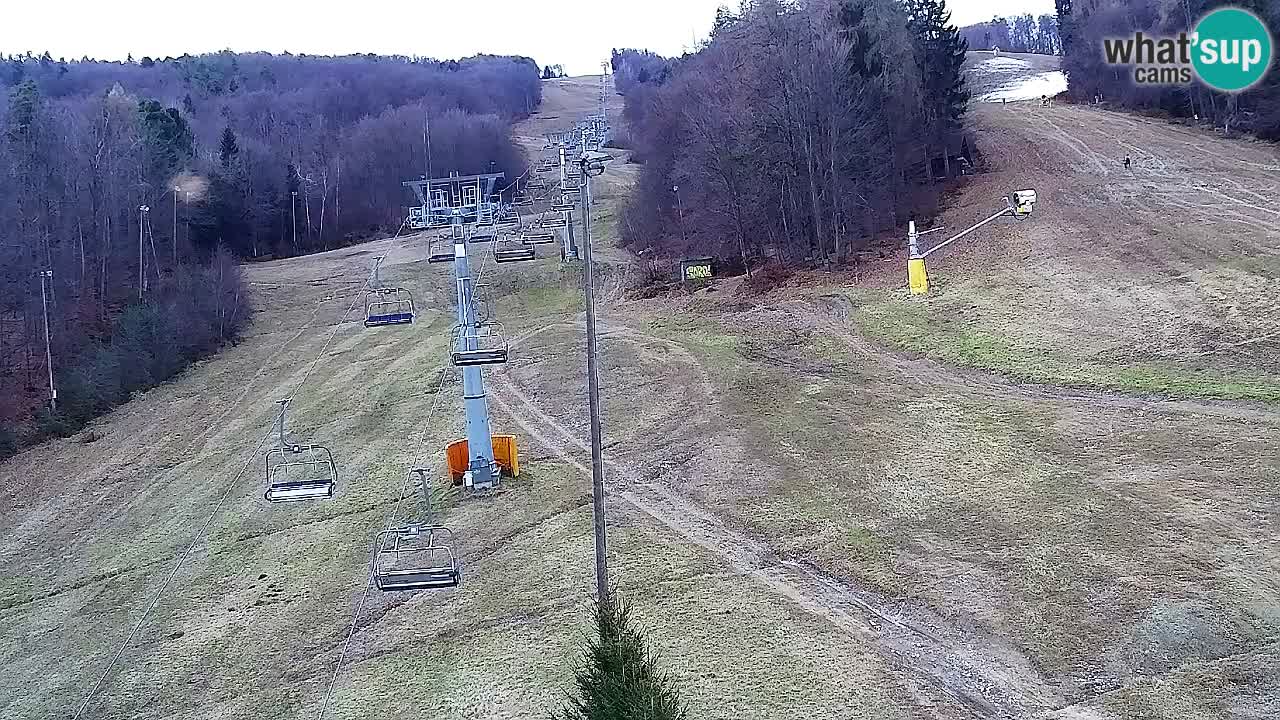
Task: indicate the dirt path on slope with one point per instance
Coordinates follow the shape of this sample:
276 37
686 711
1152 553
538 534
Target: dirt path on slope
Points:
979 675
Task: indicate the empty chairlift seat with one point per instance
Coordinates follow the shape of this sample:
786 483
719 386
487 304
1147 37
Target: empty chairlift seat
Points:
537 238
441 250
483 233
416 557
562 206
300 472
388 306
505 252
480 344
552 221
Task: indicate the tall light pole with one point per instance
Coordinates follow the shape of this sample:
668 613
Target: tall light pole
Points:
142 258
593 165
176 190
48 347
680 209
293 213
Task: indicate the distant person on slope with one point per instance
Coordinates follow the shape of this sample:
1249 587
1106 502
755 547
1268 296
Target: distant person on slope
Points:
1128 163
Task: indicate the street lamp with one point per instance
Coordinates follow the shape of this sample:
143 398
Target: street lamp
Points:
48 348
592 164
142 258
293 213
176 190
680 208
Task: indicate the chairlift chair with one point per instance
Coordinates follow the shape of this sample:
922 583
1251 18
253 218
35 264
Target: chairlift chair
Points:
562 206
298 472
552 222
440 249
388 306
482 233
489 340
505 252
537 238
415 557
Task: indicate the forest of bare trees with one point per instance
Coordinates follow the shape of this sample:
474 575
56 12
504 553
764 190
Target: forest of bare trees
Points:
1084 23
1020 33
799 130
127 190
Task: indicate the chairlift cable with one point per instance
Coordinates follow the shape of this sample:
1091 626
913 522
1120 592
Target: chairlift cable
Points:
368 583
359 294
155 601
174 573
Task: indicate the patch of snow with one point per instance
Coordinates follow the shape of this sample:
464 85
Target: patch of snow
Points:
1005 63
1029 88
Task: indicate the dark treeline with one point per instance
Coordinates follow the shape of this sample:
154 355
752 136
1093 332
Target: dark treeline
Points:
229 153
799 128
1085 23
1021 33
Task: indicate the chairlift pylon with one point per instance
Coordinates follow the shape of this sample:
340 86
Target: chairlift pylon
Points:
298 472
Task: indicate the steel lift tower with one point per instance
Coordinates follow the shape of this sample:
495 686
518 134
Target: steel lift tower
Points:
471 351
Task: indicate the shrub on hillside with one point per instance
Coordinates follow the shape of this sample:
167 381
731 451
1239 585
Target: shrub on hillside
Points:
768 278
618 676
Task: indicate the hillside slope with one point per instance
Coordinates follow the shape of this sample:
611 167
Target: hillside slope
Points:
830 501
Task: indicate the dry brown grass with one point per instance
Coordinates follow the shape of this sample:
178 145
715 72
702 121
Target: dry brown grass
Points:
810 524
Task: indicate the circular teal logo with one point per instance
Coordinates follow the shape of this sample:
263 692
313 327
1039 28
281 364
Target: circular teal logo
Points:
1232 49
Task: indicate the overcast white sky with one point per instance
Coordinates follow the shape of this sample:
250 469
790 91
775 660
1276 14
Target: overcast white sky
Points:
575 33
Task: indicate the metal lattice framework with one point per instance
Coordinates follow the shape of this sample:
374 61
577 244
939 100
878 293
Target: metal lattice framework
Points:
442 200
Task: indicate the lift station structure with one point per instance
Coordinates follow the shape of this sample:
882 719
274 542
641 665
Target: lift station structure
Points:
440 199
